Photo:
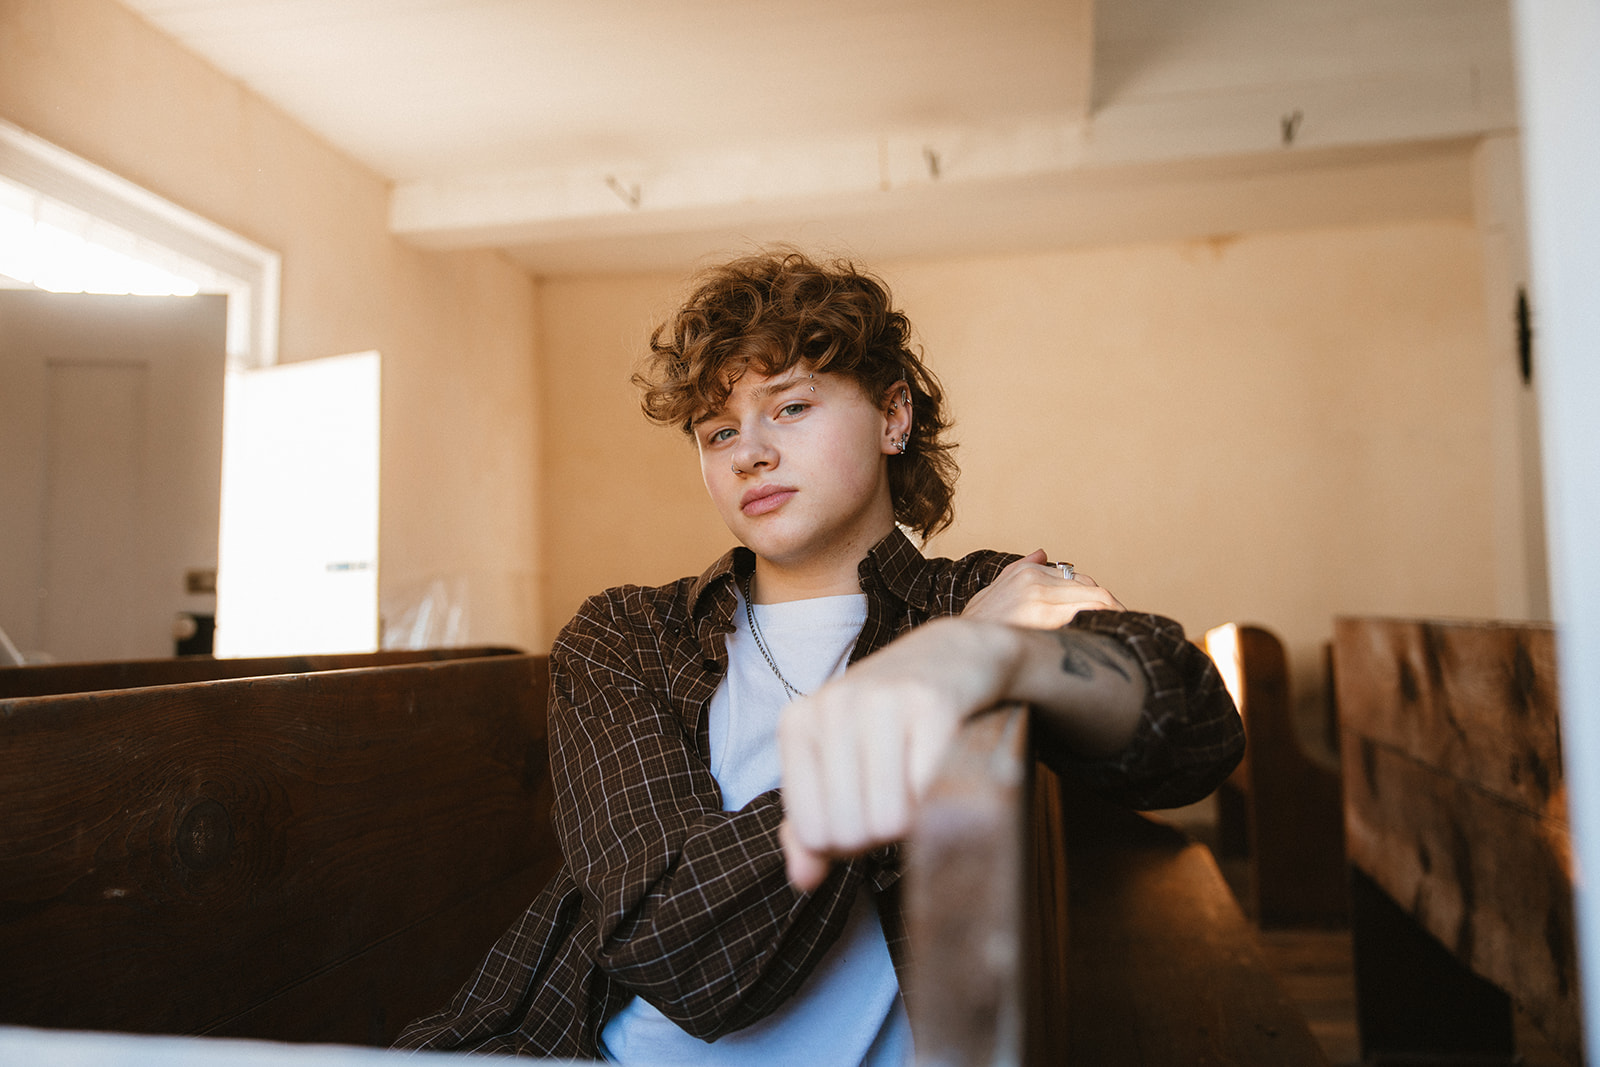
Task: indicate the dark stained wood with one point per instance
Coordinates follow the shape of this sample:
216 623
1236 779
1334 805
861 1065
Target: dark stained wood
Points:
1280 804
261 856
45 679
964 895
1313 964
1489 880
1165 969
1046 938
1454 800
1117 933
368 999
1476 700
1420 1003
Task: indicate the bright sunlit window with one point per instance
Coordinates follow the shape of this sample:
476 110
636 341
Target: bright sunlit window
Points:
56 247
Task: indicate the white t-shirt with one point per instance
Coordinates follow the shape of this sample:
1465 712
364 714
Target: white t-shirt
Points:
849 1010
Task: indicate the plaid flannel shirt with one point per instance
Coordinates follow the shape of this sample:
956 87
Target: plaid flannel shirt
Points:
666 896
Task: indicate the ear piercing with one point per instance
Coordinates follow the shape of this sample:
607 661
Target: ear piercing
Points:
901 444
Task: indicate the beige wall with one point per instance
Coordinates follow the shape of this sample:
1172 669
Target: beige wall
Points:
1279 427
1276 428
624 498
460 455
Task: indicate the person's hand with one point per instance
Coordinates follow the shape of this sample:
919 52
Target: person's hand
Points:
1033 593
859 752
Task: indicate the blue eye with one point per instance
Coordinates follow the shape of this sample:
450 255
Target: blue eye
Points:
720 436
793 409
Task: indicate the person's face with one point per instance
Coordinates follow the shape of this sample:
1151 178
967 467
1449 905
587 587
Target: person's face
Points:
797 465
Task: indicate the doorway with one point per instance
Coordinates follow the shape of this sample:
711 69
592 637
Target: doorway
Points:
110 467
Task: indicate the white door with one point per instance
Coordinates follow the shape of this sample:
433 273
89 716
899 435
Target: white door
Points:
300 509
110 468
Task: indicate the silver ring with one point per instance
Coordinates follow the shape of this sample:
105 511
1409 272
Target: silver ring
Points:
736 470
1066 570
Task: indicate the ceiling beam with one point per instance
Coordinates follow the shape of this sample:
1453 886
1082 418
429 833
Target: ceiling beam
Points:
1136 140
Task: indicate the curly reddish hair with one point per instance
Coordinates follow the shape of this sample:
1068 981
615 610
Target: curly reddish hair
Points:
773 310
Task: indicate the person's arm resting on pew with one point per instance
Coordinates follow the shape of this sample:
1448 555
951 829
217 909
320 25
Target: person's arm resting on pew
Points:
1119 697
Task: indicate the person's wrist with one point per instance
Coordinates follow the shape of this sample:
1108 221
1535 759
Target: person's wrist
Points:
997 654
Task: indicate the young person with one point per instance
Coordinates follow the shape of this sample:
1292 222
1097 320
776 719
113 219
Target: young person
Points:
703 914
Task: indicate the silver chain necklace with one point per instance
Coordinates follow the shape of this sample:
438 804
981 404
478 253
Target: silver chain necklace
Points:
755 631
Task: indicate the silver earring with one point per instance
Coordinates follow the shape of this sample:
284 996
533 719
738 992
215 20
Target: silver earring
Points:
901 444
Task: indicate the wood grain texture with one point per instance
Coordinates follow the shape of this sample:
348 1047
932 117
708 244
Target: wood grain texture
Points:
1478 701
1489 880
1132 949
1454 800
173 857
1165 967
965 894
369 998
46 678
1047 932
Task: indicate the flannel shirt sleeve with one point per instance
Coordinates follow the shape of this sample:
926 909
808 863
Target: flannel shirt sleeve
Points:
1189 737
692 905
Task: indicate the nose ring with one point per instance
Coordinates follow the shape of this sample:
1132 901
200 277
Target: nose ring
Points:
736 470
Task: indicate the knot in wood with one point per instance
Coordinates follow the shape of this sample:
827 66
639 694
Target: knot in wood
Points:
205 836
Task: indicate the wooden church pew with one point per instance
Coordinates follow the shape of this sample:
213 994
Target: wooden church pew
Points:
322 856
311 856
46 678
1281 808
1456 830
1052 927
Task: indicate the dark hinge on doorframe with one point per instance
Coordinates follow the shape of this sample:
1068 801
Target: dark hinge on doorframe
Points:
1524 337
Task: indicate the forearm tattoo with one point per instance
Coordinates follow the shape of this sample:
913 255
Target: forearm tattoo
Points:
1082 654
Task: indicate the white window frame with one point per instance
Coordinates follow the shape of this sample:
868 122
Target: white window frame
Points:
58 174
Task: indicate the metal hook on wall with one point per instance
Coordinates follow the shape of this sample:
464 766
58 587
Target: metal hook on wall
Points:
628 194
1290 124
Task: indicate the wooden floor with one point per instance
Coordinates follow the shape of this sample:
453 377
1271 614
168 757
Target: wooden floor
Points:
1313 966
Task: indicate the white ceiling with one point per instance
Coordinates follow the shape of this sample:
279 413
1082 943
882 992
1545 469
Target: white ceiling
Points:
596 135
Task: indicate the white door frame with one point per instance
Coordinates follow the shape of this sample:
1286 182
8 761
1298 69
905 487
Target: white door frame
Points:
58 174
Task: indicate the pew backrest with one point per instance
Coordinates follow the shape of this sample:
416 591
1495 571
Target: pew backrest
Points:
321 857
307 856
1281 806
1049 926
1454 798
966 886
43 679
